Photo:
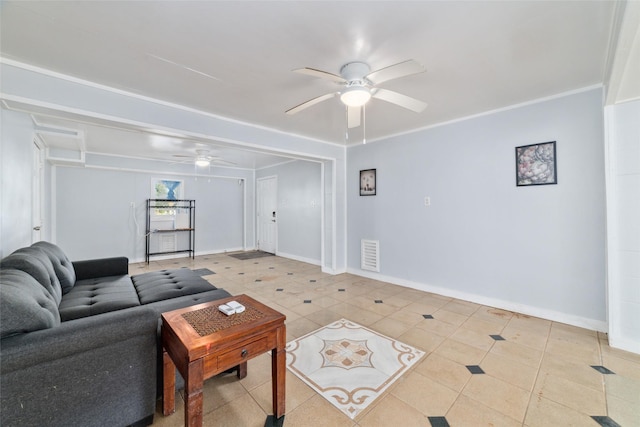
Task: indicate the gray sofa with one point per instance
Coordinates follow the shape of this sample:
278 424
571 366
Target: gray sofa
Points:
79 343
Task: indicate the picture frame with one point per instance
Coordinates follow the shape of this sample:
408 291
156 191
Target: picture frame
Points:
368 182
167 188
536 164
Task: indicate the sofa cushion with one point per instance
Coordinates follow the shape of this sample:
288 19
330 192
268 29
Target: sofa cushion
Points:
61 264
98 295
164 284
25 305
36 263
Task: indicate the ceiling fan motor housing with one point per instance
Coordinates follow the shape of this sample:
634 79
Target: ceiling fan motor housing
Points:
355 72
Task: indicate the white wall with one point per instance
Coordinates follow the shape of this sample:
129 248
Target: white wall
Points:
94 218
299 209
15 172
623 224
538 250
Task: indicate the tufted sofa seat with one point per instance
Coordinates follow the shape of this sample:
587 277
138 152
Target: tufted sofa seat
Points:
79 341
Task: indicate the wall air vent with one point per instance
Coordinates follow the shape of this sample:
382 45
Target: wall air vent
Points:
370 255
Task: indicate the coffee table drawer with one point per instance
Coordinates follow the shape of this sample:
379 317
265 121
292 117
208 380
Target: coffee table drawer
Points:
242 353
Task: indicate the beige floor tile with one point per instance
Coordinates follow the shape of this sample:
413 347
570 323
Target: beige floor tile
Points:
572 369
301 326
461 307
589 353
450 317
407 317
531 324
424 394
390 327
475 339
623 388
510 371
499 395
391 411
569 393
445 371
220 390
524 337
460 352
421 339
522 354
467 412
482 326
243 411
258 372
623 412
544 413
437 327
421 308
317 411
622 366
297 392
492 314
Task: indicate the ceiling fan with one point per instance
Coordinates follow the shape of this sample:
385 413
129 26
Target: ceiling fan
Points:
204 159
361 84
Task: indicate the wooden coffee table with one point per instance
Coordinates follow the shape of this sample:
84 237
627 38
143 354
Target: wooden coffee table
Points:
202 342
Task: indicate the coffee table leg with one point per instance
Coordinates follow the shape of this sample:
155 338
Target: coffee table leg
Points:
193 394
169 384
242 370
278 374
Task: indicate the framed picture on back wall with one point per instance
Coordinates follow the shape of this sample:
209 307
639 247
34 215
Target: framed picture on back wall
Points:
536 164
368 182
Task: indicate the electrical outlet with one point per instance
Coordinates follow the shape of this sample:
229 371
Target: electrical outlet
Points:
427 201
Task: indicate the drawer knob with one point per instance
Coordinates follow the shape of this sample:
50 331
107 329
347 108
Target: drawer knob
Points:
244 353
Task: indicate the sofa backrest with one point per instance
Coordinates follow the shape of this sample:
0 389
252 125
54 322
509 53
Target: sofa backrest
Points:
61 264
35 262
25 305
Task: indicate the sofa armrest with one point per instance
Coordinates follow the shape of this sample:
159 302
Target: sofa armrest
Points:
103 267
94 371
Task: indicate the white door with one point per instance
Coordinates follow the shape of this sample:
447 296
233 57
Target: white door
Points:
36 193
266 192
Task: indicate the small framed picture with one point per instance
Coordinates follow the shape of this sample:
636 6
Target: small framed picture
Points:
368 182
536 164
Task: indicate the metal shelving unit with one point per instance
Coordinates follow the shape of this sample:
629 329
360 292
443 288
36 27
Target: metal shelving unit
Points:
178 217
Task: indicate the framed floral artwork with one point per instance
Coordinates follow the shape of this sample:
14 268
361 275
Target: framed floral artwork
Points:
368 182
536 164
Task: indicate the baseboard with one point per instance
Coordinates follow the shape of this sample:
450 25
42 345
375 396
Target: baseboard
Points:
186 255
298 258
556 316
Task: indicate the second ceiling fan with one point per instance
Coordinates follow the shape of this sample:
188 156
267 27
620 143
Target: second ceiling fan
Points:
360 85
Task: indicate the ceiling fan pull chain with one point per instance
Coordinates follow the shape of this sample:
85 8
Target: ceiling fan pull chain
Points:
364 124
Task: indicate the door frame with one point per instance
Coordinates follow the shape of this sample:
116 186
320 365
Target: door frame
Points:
37 187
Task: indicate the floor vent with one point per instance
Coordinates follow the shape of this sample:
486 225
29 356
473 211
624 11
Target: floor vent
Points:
369 255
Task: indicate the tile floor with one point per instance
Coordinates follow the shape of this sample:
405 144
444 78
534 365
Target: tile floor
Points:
483 366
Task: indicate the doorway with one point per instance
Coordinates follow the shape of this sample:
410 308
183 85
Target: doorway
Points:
267 206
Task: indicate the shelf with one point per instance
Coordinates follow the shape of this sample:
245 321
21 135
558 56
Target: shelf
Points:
185 236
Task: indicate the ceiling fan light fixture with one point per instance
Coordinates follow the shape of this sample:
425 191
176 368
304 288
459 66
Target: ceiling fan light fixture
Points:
202 162
355 96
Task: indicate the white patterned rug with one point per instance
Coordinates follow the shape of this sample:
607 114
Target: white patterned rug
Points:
348 364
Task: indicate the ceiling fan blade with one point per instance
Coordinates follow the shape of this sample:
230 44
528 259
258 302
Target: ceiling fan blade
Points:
353 117
320 74
391 72
400 99
182 155
310 102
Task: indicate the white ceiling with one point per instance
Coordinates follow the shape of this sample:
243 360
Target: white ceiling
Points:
235 58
